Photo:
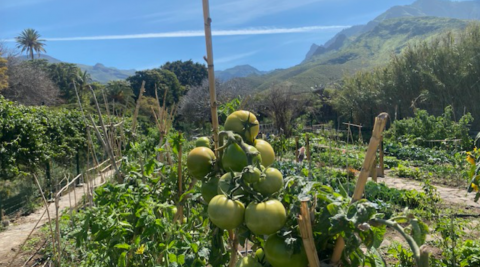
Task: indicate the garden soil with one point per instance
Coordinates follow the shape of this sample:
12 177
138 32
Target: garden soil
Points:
13 237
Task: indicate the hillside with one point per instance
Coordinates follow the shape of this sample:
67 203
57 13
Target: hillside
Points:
103 74
237 72
369 49
99 73
468 10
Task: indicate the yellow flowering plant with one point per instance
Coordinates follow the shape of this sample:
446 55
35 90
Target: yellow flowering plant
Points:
474 173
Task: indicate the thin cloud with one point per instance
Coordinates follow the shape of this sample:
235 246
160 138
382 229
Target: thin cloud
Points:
235 57
184 34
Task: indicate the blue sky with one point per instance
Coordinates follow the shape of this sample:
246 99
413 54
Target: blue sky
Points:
127 34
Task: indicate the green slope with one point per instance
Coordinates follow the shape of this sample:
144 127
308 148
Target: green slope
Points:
368 50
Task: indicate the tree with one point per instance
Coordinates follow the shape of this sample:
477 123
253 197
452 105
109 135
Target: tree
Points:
120 93
194 106
64 74
160 80
3 72
188 73
31 86
283 105
29 41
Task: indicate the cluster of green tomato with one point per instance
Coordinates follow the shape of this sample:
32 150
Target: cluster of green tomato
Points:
243 174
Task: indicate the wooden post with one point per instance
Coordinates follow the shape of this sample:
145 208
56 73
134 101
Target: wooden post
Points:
305 225
381 169
49 181
307 144
77 159
296 149
211 71
380 122
373 170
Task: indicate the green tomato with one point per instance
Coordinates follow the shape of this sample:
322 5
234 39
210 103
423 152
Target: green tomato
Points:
248 261
278 254
226 184
225 213
260 256
243 123
235 159
200 162
271 183
265 218
267 152
203 142
210 189
251 175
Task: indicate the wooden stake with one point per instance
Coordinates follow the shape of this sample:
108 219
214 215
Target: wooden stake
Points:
305 225
378 128
137 107
211 72
381 171
49 219
373 170
307 144
107 142
233 248
180 181
296 149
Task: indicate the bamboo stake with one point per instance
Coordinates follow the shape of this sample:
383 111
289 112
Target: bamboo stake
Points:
378 128
28 237
180 180
380 162
211 72
305 225
137 107
307 144
234 247
48 215
296 149
108 147
373 171
57 226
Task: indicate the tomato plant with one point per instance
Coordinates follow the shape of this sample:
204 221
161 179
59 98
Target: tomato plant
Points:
266 151
235 158
200 162
279 254
210 189
226 213
270 183
248 261
243 123
265 218
203 142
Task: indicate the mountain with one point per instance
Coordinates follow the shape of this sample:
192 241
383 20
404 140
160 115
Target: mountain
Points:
103 74
238 72
98 72
41 56
369 49
467 10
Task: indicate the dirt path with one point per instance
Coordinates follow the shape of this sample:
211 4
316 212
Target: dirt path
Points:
16 234
457 196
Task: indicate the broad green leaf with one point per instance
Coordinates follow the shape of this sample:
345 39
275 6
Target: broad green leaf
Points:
122 260
172 257
419 231
123 246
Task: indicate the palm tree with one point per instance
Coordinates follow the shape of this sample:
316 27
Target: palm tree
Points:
29 41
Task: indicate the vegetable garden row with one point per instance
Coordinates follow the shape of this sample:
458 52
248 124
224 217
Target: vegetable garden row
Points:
227 217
